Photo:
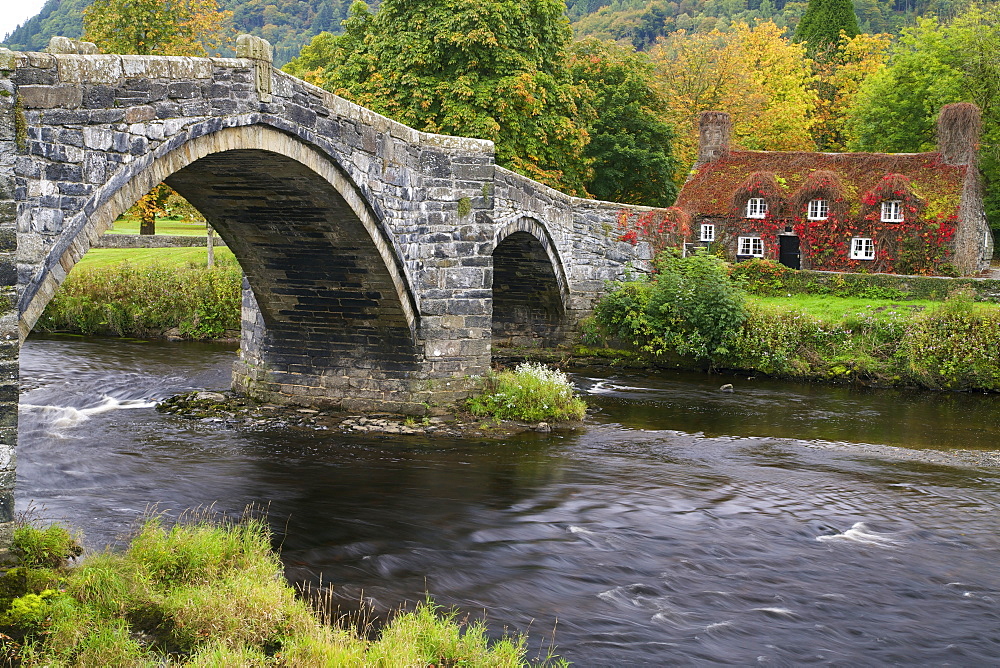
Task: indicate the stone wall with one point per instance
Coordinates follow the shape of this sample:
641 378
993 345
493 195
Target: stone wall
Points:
12 134
153 241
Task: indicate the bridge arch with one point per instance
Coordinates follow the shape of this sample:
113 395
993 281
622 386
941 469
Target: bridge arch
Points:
531 294
124 188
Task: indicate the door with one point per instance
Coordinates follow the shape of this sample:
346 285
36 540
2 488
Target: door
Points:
788 251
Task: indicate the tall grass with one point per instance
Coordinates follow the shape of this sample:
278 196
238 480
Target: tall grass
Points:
209 593
145 301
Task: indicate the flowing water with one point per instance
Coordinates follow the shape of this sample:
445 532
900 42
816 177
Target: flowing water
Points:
684 525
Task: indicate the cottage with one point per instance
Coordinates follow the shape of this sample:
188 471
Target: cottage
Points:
909 213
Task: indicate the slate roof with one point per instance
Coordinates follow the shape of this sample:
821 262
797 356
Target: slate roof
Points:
710 192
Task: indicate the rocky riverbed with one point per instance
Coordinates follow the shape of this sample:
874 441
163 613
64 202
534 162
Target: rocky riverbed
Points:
232 410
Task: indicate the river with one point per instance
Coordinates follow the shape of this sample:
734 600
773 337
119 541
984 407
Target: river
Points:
683 525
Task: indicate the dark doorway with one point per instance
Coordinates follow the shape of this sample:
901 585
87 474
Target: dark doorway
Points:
788 251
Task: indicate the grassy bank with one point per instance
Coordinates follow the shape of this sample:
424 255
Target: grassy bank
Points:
695 313
206 594
147 293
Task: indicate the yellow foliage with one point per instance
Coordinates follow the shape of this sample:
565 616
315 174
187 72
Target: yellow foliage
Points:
839 77
756 74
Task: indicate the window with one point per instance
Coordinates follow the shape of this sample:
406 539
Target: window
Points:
819 209
892 211
862 248
707 232
756 207
751 246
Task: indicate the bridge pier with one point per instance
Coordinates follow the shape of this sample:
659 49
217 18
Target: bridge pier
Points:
363 372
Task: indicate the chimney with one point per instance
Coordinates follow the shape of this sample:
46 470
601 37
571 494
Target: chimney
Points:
958 129
714 129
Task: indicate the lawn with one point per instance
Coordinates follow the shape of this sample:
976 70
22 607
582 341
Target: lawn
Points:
836 309
167 257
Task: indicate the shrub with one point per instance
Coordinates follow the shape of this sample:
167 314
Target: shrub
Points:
695 308
955 347
532 392
621 313
760 276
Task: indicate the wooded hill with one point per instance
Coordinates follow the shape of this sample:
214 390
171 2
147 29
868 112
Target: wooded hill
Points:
290 24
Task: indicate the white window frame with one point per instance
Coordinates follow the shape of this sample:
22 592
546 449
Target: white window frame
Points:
750 247
756 207
819 209
707 232
892 211
862 248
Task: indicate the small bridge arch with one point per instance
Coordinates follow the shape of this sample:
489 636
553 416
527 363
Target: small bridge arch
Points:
531 295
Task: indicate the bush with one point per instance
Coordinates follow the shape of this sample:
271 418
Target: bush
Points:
695 309
760 276
532 392
692 308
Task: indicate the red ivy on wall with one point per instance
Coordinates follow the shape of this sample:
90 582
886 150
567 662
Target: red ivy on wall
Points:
660 228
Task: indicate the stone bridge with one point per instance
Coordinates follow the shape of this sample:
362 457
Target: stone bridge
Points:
380 262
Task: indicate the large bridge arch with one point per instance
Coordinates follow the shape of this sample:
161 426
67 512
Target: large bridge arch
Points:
275 149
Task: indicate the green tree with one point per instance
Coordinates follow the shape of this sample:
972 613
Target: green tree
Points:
823 23
162 27
933 64
629 143
493 69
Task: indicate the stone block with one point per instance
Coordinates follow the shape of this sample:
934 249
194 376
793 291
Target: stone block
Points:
51 97
65 45
140 114
90 69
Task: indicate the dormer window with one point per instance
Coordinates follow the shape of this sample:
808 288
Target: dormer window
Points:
819 209
892 211
756 207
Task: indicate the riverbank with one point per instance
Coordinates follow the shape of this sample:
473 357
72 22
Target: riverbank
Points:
207 591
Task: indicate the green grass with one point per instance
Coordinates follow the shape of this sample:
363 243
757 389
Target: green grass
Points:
163 226
209 593
141 257
835 309
831 309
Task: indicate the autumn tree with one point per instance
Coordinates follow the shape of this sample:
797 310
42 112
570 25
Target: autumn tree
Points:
839 76
161 27
757 75
492 69
630 146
